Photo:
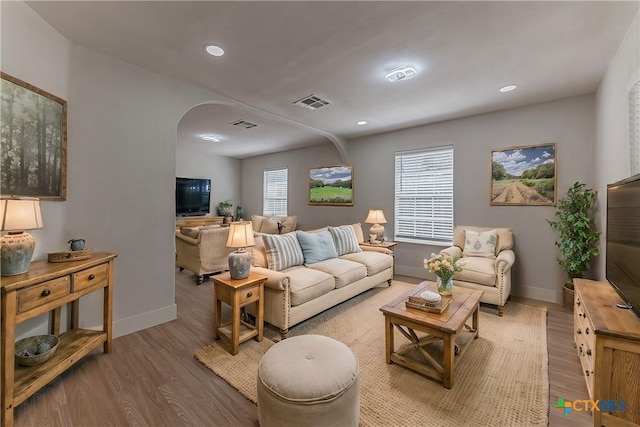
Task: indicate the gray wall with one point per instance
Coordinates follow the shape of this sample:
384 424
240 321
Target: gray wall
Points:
612 122
568 123
224 173
122 126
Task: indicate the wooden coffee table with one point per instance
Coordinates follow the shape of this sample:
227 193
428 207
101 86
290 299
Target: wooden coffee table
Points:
464 304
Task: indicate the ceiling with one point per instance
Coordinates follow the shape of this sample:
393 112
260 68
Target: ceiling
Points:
280 52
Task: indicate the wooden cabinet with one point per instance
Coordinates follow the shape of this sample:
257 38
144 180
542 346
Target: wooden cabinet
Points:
198 221
45 288
608 343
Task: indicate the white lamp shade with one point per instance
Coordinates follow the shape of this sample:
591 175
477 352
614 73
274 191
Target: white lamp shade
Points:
376 216
20 214
240 235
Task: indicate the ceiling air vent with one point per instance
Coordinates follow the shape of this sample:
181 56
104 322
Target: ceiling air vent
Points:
312 102
244 124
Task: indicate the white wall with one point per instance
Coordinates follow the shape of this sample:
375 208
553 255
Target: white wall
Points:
612 122
568 123
224 173
122 126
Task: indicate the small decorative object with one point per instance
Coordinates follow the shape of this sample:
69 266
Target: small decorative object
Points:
66 256
431 297
76 244
240 237
444 268
16 215
331 186
281 227
239 214
35 350
376 217
225 209
524 176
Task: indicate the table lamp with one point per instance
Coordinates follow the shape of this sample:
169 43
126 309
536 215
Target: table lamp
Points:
16 215
240 237
376 232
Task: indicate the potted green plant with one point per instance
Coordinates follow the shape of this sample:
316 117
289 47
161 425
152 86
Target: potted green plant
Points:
225 209
578 237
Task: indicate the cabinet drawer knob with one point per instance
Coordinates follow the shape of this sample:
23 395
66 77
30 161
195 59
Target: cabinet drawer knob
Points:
45 293
250 294
92 276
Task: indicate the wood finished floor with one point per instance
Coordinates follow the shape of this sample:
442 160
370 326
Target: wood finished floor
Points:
152 379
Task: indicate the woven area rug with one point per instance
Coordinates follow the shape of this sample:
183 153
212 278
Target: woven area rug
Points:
501 379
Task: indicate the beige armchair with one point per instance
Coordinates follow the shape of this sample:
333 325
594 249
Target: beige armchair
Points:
203 250
485 271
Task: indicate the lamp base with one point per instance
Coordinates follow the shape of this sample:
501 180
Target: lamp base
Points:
15 255
376 234
239 264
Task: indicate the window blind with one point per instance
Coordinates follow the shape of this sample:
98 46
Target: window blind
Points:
274 192
424 195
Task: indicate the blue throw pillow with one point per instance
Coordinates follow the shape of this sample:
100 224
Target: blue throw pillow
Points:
316 247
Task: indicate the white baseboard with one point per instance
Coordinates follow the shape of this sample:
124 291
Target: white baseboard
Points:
146 320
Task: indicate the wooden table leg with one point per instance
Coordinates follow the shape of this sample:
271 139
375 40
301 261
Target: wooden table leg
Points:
260 318
476 321
7 364
55 324
218 315
235 323
388 333
449 354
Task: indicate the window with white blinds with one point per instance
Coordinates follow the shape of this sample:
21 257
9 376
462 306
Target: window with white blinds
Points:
424 196
274 192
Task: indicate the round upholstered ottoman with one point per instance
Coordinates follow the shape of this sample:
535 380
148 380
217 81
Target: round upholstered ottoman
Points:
310 380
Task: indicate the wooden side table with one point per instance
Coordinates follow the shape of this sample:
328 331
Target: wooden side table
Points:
237 294
386 245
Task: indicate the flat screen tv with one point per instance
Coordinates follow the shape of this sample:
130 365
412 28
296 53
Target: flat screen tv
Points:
193 196
623 240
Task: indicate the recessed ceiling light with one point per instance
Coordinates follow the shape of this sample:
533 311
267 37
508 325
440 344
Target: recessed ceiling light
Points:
403 72
213 50
508 88
210 138
361 122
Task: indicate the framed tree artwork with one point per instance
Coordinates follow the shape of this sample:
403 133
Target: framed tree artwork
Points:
331 185
524 175
33 142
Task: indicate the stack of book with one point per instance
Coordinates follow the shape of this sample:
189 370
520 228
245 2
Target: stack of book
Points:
428 301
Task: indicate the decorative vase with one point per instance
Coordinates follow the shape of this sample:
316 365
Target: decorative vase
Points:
445 287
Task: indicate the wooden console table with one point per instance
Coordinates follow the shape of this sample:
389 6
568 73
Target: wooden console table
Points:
608 343
46 287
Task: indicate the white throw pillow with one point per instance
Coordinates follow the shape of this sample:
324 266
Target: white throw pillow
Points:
480 244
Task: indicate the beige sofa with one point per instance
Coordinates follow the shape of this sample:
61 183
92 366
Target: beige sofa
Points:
491 272
301 291
202 250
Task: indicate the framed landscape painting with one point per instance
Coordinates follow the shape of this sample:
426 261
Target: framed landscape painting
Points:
524 176
331 186
33 145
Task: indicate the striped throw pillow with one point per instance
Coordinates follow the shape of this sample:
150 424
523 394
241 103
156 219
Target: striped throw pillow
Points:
283 251
344 239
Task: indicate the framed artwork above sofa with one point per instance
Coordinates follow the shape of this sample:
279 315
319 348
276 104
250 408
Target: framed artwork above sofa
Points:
331 185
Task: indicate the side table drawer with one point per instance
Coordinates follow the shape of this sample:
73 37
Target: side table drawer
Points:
43 293
90 277
249 294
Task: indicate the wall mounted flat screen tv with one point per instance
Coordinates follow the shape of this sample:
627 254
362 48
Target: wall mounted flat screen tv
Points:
193 196
623 240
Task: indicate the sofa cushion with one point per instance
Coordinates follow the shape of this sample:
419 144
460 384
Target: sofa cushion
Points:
308 284
282 251
357 229
505 236
256 222
480 244
375 262
343 271
258 252
190 231
478 270
316 247
344 239
269 226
